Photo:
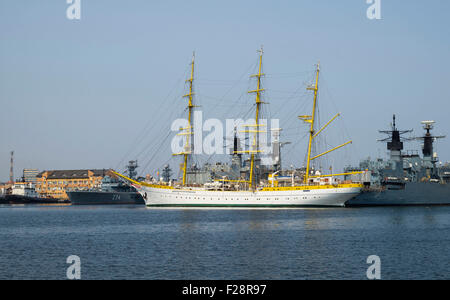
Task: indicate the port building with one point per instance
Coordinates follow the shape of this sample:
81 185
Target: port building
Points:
30 175
55 184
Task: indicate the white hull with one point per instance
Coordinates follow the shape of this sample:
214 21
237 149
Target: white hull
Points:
327 197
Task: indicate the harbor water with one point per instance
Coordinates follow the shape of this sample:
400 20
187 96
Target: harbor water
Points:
134 242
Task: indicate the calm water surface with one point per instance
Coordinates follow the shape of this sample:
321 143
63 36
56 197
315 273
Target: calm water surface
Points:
133 242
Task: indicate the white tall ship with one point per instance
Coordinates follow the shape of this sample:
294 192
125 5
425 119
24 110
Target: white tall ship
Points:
314 190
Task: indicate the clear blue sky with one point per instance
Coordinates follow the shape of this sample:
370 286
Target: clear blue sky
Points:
76 94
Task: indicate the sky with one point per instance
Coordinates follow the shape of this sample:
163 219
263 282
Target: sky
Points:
96 92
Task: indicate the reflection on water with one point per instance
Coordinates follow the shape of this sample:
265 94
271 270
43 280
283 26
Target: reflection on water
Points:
135 242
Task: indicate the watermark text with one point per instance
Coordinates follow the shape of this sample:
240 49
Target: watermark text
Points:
374 10
73 11
74 270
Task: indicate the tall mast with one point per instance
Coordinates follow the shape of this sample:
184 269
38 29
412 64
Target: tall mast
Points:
258 108
313 134
315 88
190 107
188 132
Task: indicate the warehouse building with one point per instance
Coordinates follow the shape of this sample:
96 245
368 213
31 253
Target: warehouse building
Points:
54 184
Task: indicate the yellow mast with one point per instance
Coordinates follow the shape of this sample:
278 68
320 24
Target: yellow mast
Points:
190 107
258 107
189 132
312 134
311 120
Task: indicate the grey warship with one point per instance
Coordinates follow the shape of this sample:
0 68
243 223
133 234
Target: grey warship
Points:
111 191
405 179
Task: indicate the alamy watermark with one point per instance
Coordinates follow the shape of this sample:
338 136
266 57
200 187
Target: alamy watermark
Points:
73 11
74 270
212 136
374 270
374 10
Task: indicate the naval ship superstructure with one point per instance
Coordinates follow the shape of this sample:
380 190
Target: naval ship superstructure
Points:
404 178
444 172
111 191
248 188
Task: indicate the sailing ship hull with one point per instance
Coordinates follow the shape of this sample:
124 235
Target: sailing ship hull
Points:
292 198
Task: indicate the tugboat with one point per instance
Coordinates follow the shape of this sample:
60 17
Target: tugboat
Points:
25 193
111 191
405 179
